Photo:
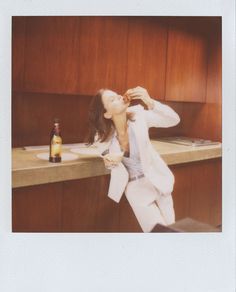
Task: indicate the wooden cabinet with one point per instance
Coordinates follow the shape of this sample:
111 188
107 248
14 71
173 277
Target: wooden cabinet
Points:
37 208
187 59
87 208
147 45
51 50
79 55
75 55
60 62
127 219
83 205
198 191
206 192
18 52
102 54
71 206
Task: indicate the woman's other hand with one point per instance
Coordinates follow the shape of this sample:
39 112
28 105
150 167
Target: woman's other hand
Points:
112 159
139 93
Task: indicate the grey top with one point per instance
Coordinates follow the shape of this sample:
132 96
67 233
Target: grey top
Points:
133 162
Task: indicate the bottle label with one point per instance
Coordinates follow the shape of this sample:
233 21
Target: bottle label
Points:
56 146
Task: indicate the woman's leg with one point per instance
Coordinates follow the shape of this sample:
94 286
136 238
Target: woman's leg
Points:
142 195
166 206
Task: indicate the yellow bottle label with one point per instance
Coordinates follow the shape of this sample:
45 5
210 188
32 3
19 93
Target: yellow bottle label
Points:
56 146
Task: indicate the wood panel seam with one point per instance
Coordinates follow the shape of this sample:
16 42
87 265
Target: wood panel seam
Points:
167 43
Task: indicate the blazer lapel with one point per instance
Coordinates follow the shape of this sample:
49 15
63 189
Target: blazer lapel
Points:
141 135
119 174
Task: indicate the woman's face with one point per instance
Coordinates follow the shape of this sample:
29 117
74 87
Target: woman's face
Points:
113 103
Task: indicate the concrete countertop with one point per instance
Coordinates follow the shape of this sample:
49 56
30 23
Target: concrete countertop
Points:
28 170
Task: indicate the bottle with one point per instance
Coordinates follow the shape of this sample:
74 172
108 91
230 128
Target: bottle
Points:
55 143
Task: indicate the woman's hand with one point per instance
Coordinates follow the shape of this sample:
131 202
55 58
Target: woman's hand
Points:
112 159
140 93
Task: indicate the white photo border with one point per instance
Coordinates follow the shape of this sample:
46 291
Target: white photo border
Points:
112 261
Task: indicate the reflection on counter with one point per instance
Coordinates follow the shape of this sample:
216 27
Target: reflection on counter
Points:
182 140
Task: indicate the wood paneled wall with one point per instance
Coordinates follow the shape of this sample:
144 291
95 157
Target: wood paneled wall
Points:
33 115
205 120
147 54
60 62
202 120
186 70
79 55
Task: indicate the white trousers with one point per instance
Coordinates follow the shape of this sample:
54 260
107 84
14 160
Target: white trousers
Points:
149 206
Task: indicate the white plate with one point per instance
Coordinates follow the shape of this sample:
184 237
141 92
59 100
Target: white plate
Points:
64 157
64 146
86 151
76 145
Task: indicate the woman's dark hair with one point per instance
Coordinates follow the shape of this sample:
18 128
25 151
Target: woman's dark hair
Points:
98 124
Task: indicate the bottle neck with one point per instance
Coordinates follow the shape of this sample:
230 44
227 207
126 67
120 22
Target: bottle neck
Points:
56 129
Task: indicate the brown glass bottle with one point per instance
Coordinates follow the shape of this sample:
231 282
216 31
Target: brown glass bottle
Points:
55 148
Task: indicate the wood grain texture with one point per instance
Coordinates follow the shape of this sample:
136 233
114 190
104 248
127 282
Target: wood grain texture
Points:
202 120
147 48
214 76
187 54
102 54
171 131
52 45
205 120
80 200
18 52
205 192
87 208
79 55
197 191
37 209
107 210
216 208
83 206
182 190
127 220
33 115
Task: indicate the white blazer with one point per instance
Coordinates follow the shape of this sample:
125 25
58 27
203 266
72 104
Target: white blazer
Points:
154 168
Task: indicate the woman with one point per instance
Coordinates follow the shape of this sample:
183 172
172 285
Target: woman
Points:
121 134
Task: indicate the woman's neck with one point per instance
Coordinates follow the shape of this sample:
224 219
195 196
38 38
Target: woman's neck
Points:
120 122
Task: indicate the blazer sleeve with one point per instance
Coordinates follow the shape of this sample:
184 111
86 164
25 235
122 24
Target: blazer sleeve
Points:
161 116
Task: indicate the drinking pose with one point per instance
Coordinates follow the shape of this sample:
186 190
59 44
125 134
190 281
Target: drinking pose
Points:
120 132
